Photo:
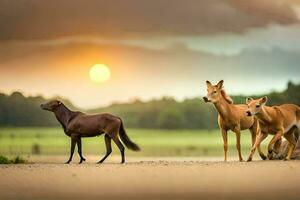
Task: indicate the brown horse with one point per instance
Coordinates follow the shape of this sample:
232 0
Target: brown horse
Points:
77 125
231 117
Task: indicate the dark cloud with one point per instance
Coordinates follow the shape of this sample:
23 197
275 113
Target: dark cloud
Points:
266 11
32 19
177 60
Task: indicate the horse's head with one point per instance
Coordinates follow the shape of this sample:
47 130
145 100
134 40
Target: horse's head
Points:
215 92
255 106
51 106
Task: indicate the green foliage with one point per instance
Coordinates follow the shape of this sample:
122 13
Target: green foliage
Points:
4 160
193 113
16 160
17 110
170 119
164 113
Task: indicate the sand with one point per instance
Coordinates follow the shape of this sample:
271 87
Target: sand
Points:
150 178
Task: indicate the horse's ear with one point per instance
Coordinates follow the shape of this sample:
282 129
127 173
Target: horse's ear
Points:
208 84
248 100
220 84
226 97
263 100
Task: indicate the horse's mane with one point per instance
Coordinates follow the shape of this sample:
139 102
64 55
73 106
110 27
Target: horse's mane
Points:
226 97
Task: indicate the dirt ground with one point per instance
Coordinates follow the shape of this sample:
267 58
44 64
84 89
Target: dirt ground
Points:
150 178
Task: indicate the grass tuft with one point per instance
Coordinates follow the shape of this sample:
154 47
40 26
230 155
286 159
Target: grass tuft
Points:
4 160
16 160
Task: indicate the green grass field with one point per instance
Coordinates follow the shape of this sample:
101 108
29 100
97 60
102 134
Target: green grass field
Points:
52 141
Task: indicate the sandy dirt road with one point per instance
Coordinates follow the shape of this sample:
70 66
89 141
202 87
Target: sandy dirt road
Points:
151 178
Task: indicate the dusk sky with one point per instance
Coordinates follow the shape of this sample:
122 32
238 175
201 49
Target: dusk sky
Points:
152 48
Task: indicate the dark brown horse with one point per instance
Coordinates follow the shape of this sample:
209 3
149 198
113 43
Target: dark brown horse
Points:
77 125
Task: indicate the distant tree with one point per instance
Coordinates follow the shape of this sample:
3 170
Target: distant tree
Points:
18 110
170 118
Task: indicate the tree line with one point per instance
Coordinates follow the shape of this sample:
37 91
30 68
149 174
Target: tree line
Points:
164 113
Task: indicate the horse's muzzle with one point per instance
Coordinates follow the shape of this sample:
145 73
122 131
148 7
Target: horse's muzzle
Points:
43 107
248 113
206 99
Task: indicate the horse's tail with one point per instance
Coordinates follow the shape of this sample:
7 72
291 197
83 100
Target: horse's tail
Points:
124 137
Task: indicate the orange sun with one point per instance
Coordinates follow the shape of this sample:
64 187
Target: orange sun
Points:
100 73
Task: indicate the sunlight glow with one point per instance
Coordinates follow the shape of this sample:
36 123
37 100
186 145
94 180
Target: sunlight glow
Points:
99 73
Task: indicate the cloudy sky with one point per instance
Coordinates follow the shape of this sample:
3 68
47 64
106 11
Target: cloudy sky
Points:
153 48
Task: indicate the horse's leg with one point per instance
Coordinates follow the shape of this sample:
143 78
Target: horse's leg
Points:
276 137
255 131
224 136
292 144
108 148
80 150
259 138
120 146
276 149
238 143
73 143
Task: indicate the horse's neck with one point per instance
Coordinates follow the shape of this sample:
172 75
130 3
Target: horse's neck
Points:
223 107
63 115
264 115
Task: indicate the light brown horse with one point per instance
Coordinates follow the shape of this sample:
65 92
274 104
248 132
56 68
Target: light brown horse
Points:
231 117
282 120
77 125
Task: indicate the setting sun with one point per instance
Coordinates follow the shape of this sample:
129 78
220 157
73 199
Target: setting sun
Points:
99 73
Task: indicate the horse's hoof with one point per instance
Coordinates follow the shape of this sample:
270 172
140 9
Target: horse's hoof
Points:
263 157
68 162
81 162
82 159
249 159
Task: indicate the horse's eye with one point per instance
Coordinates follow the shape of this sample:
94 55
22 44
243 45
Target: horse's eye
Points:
257 106
215 92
